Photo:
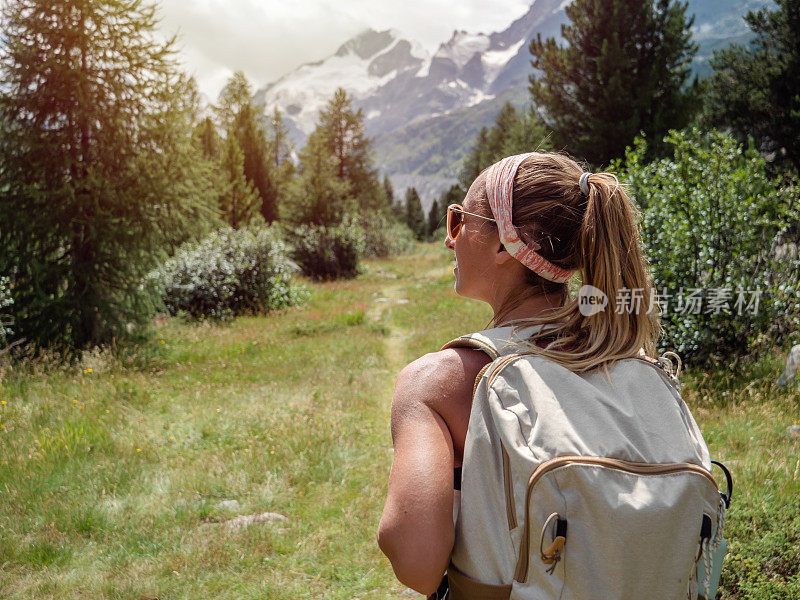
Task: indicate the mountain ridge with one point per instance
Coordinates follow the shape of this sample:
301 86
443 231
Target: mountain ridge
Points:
399 85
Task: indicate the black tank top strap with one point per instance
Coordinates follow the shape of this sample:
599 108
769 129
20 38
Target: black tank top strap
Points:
457 478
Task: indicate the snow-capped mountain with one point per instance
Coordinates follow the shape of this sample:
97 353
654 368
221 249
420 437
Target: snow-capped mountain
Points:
424 111
396 82
362 66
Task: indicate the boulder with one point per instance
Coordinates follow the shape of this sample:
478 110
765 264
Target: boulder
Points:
790 371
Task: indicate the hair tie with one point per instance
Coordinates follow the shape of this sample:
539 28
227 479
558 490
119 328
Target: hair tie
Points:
499 188
584 182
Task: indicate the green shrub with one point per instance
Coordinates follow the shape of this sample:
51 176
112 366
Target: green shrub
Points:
228 273
384 236
325 253
711 222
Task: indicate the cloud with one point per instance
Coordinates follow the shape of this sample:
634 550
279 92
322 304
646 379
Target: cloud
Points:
268 38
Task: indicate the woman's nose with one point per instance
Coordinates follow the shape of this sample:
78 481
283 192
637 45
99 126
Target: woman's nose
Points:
449 243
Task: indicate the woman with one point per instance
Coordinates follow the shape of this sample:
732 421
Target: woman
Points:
526 225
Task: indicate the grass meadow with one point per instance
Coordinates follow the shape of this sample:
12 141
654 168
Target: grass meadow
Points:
112 473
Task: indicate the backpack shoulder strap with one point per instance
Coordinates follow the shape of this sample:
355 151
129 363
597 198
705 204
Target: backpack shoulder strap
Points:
496 342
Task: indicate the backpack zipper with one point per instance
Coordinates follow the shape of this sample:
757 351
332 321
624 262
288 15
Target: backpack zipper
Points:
521 573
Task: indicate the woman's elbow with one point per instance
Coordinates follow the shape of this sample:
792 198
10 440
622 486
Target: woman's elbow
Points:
419 566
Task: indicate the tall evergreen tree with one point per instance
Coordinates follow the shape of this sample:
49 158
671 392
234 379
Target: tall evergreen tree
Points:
434 218
504 124
252 140
279 158
240 203
511 133
280 146
527 134
235 95
415 216
343 130
388 190
239 117
754 90
98 174
317 195
477 159
207 139
624 68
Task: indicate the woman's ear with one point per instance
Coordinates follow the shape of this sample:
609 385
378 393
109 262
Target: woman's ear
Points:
502 256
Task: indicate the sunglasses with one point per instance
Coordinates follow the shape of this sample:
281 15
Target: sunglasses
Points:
455 219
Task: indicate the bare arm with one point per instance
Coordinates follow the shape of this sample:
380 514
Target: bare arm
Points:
430 415
416 529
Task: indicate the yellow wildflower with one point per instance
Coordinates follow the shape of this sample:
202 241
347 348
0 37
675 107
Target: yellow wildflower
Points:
138 449
2 401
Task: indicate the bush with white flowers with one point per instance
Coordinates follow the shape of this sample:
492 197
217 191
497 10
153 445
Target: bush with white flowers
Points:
5 302
228 273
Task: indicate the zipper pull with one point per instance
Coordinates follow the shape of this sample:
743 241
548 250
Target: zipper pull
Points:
552 555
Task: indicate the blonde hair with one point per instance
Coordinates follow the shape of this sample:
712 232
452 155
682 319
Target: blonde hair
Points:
599 235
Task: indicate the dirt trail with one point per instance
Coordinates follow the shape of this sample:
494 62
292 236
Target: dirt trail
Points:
390 295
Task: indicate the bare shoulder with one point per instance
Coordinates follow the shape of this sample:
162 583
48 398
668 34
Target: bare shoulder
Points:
438 379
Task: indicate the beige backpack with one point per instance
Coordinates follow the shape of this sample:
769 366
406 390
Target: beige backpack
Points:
576 487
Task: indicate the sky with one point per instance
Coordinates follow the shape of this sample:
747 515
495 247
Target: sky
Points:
268 38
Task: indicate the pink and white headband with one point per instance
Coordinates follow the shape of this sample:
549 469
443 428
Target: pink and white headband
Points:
499 188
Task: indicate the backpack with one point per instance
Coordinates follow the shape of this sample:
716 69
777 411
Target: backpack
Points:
580 485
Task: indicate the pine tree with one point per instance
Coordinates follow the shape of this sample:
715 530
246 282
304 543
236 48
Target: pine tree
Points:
388 189
280 147
252 140
240 203
754 90
239 117
504 124
235 95
317 196
99 177
415 216
434 216
342 128
477 159
527 134
624 68
279 158
511 133
207 139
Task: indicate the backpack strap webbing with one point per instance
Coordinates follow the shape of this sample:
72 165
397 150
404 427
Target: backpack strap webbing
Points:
495 342
468 341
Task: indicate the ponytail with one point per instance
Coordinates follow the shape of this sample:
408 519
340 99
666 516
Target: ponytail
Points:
597 232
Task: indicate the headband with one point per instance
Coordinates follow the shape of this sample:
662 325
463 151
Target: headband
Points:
499 188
